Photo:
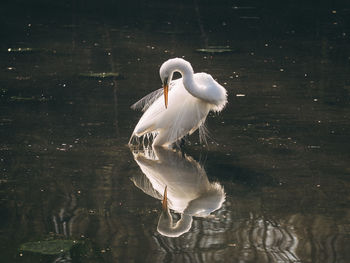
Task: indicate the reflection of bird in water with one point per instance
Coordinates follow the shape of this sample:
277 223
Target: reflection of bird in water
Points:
190 100
188 190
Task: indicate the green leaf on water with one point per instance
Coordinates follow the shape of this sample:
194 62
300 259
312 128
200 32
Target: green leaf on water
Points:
49 247
101 75
215 49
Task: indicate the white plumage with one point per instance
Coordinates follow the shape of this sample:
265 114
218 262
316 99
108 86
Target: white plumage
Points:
190 100
189 191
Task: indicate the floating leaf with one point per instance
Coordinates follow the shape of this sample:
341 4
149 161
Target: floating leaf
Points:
243 7
70 26
19 98
49 247
92 124
215 49
171 32
101 75
250 17
23 77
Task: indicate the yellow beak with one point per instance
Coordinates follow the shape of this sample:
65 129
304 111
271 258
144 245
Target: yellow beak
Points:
165 200
166 89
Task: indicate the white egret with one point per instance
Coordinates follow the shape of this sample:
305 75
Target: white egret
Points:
181 183
190 100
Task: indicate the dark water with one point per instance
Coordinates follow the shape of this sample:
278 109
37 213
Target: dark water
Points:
279 150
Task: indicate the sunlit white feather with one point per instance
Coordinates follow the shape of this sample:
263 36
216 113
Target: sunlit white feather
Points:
190 100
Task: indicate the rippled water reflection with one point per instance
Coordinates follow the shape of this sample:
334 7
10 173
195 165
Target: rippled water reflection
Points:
188 190
280 150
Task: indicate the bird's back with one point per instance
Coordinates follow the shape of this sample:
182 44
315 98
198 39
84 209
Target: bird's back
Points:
213 90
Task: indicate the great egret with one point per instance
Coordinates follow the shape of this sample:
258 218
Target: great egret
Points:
190 100
188 190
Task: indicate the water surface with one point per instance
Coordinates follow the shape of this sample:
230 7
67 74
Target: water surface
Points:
280 149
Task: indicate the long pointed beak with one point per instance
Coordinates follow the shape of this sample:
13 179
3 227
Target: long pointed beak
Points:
165 200
166 89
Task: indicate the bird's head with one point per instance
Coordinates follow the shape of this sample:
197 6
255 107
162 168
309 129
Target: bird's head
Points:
166 72
165 224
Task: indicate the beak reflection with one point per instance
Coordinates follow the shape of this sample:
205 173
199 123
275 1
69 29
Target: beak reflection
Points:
165 200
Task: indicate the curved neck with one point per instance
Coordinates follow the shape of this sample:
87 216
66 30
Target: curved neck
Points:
167 228
196 90
185 69
190 85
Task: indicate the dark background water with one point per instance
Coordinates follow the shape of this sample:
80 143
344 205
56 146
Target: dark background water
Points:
281 151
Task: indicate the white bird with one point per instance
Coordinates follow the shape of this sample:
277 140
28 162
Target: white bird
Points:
182 185
190 100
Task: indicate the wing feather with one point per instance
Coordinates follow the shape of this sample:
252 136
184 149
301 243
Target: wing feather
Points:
144 103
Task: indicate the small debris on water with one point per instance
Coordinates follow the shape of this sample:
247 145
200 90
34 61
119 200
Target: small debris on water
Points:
101 75
314 147
215 49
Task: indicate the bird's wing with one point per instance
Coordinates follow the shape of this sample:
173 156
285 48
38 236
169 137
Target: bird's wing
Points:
143 183
144 103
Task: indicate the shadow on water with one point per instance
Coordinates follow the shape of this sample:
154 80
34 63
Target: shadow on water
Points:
69 72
